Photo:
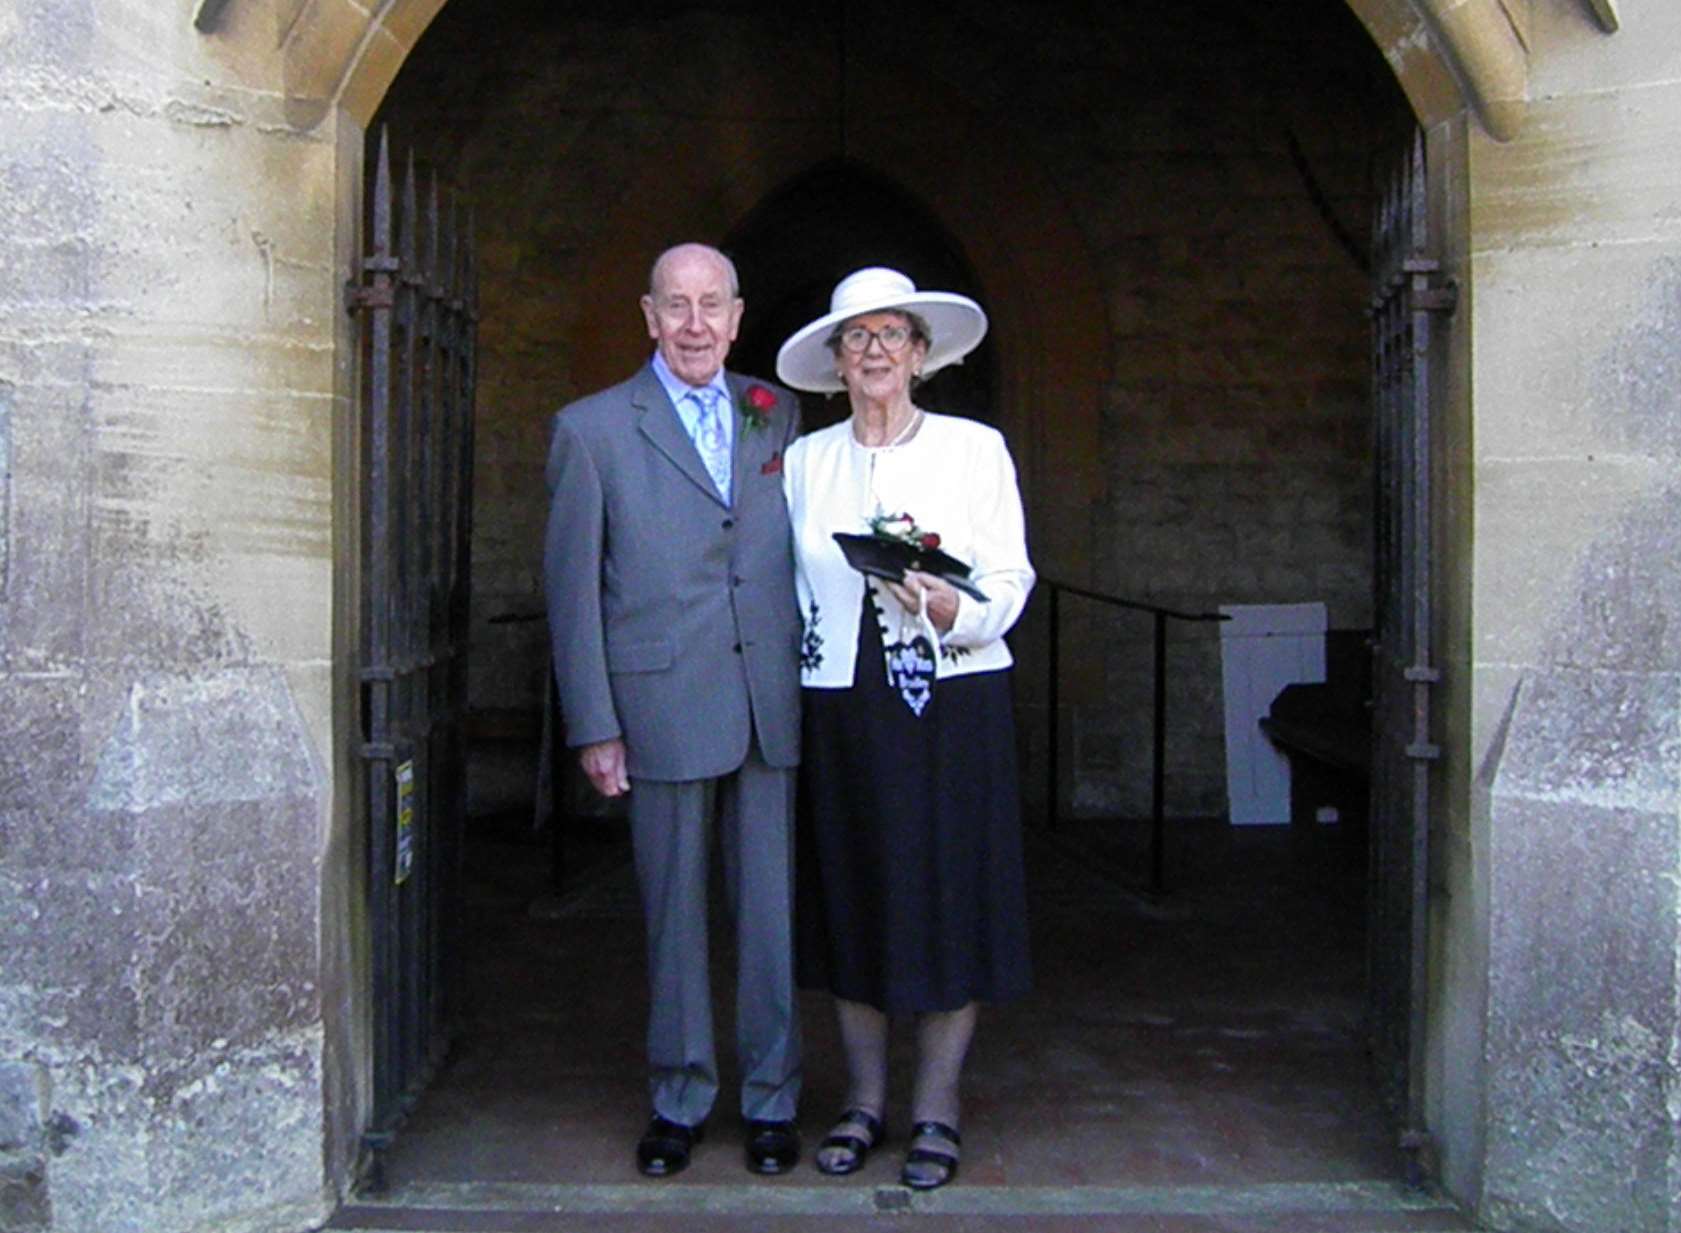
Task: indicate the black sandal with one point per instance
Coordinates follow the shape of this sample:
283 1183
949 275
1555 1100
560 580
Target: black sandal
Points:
946 1162
856 1147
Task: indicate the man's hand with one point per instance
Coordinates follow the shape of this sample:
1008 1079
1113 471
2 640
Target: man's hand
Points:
604 763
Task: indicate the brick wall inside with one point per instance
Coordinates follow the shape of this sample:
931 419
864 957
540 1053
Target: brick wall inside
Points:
1215 168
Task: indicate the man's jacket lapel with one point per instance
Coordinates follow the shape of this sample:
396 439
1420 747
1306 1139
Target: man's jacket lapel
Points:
657 419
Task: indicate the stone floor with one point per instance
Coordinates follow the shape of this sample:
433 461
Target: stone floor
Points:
1190 1062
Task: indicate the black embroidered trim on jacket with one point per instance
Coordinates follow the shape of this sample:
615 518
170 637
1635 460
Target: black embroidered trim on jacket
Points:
811 642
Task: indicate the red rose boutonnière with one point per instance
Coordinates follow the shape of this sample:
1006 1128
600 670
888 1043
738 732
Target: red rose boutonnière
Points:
757 402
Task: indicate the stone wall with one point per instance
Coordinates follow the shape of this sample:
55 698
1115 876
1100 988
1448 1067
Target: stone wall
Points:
165 413
1574 243
1232 463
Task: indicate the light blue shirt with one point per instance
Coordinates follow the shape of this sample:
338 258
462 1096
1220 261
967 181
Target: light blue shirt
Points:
676 387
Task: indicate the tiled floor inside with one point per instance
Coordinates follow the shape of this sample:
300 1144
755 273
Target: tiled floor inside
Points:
1201 1041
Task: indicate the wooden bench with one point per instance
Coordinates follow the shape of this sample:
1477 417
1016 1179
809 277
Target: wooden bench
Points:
1326 732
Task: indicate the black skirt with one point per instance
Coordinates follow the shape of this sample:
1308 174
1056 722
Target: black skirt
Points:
911 894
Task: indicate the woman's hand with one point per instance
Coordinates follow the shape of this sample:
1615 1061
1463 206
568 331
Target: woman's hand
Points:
919 588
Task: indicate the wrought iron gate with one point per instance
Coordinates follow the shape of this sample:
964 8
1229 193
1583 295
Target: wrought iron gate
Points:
1408 298
415 291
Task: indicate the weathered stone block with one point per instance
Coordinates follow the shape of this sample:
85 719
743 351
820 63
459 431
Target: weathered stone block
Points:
25 1204
1627 591
232 736
63 934
99 1175
41 778
215 1164
1623 308
318 47
1548 189
7 392
41 620
1537 524
22 1098
1580 1036
1610 736
217 776
227 916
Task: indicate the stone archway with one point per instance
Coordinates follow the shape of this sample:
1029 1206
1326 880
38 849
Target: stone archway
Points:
337 51
1050 312
1452 59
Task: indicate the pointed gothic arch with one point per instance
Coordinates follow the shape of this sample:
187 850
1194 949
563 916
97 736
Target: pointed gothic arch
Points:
822 223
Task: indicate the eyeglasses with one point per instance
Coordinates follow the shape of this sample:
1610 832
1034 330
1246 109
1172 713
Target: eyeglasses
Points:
856 338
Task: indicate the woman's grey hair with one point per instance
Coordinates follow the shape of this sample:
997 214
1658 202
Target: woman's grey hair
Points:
919 329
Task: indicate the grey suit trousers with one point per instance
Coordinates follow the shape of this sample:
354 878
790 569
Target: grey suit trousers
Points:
750 812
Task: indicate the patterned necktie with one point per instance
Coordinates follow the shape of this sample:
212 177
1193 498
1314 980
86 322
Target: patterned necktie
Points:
709 438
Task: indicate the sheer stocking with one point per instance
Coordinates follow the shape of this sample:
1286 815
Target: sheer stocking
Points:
863 1032
942 1043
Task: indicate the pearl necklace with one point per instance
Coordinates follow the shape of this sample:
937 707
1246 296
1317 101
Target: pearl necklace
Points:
872 452
903 434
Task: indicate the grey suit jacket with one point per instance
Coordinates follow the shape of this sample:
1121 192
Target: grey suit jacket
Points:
671 614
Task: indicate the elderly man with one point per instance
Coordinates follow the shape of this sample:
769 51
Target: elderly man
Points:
669 581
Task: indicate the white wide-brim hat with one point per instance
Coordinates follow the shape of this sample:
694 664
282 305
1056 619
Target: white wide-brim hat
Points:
957 323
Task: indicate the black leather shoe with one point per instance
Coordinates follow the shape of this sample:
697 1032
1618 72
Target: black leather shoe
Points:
664 1147
772 1147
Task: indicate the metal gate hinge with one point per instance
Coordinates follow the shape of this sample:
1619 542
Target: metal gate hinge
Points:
1443 299
358 298
376 294
1423 675
379 751
1424 752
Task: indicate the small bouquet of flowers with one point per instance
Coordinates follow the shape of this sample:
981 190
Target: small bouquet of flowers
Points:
902 529
896 544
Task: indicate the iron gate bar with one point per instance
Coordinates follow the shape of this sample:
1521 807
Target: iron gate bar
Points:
429 514
435 424
1158 727
465 316
407 991
1407 296
419 315
1427 299
377 673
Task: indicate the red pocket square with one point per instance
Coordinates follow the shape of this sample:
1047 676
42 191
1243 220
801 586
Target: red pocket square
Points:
774 466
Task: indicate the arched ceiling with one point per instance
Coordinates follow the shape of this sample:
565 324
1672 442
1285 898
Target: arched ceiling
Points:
1447 54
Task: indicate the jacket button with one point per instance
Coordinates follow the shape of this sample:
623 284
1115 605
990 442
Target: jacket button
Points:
735 580
737 648
729 523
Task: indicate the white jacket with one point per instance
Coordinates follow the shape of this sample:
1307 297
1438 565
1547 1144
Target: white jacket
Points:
955 478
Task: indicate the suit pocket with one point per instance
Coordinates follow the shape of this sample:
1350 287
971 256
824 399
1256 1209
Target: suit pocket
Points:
639 656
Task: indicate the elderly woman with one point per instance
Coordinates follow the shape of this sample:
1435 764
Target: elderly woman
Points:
910 897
